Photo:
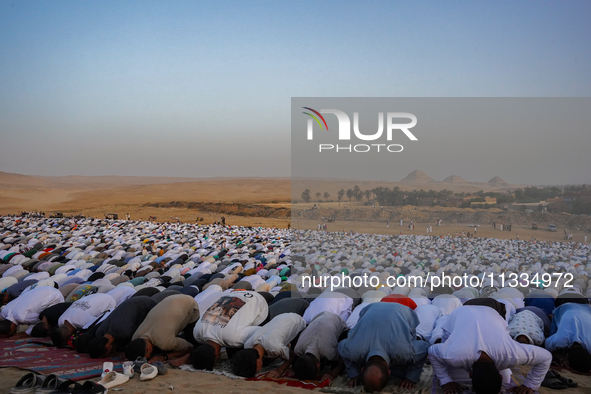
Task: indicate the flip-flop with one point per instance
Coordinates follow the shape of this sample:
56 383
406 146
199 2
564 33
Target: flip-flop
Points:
92 388
69 386
50 384
569 382
28 383
551 382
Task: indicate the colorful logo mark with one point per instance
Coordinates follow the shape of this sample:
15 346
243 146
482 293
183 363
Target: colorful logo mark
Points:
315 118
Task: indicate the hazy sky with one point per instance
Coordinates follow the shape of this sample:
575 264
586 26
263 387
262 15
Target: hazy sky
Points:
196 88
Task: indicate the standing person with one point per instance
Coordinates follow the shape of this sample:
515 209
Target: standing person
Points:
382 342
158 332
476 340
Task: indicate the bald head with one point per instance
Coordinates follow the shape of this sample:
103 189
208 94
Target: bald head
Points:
375 374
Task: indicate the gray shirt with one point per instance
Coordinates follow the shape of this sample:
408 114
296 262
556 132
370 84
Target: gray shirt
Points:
321 337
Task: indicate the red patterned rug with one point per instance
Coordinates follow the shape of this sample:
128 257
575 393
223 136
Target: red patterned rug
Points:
21 353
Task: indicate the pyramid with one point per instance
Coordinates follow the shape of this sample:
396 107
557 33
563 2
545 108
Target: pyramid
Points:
497 181
418 176
454 179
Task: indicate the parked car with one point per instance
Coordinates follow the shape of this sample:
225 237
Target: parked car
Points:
552 227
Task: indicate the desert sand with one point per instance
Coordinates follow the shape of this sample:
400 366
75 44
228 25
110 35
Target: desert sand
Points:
96 196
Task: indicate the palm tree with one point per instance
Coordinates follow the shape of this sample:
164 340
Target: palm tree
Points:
340 195
349 194
318 195
326 195
306 195
368 194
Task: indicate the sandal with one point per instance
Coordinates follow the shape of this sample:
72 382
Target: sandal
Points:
569 382
552 382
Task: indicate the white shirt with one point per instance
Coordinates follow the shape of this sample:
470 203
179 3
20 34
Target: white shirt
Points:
471 330
26 308
232 319
85 311
354 316
428 315
277 334
447 302
334 302
121 293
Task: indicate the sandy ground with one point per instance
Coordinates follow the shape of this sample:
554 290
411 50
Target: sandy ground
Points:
178 381
175 381
96 196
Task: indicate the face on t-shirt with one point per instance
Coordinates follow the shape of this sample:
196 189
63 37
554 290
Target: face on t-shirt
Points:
220 313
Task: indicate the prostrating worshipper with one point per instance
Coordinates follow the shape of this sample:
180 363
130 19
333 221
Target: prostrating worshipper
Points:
570 332
116 331
12 292
80 315
25 310
382 342
287 305
476 340
317 345
229 322
491 303
269 341
49 319
156 338
337 302
526 327
428 315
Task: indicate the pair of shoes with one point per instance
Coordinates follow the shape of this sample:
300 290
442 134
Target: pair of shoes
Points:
50 384
28 383
138 364
128 369
148 372
71 387
555 381
66 387
113 379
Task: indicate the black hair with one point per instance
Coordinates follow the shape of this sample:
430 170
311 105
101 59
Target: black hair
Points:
5 327
59 337
135 349
81 342
97 347
39 330
383 368
486 378
306 367
579 358
244 363
203 357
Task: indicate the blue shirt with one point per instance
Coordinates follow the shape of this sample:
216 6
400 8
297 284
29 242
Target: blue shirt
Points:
387 330
571 324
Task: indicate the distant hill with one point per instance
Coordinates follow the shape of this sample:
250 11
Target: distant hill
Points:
497 181
454 179
418 176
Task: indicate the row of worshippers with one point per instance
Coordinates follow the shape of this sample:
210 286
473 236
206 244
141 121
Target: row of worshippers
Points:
372 337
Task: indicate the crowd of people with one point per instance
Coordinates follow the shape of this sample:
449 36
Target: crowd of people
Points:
184 293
